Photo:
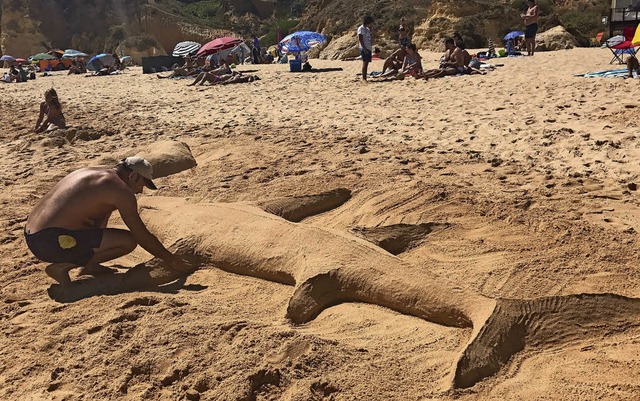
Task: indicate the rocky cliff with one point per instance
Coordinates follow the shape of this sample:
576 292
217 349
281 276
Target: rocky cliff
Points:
137 27
143 27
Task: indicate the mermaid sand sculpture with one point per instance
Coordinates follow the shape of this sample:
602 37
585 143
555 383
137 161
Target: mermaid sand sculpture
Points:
328 267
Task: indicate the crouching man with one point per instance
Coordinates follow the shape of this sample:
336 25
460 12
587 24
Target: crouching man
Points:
68 226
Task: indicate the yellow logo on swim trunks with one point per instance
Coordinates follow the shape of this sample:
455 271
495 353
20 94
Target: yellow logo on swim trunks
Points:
66 241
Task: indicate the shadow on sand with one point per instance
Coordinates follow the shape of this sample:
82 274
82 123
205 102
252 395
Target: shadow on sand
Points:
138 278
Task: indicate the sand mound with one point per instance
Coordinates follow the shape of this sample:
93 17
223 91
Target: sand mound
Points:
168 157
299 207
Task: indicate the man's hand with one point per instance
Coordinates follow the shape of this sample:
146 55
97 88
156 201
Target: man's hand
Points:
178 264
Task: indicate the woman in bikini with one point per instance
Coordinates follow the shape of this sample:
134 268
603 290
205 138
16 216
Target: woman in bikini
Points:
412 64
51 112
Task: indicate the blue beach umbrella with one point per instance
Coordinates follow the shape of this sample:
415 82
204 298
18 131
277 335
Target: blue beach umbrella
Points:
513 35
100 61
301 41
7 57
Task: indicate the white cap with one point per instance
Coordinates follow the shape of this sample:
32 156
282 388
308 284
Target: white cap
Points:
142 167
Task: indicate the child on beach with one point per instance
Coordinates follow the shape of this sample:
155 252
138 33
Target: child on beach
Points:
365 44
52 109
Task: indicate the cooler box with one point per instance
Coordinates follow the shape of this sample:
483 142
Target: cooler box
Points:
295 65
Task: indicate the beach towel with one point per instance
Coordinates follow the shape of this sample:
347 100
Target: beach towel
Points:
608 74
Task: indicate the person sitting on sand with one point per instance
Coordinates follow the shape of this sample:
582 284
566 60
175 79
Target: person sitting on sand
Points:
213 75
185 70
393 64
68 226
15 75
77 67
453 65
412 64
51 112
24 75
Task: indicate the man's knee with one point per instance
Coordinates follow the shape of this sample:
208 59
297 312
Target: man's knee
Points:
129 243
120 239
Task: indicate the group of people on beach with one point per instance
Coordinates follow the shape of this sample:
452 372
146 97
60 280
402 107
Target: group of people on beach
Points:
406 61
211 70
19 74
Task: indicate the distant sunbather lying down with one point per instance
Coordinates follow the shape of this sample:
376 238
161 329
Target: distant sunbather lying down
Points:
235 78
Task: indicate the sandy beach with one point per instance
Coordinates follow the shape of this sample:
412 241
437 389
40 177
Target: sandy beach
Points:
525 179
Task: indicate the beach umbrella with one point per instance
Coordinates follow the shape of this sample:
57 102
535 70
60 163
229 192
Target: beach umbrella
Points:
513 35
57 53
217 45
20 60
100 61
301 41
186 48
7 57
42 56
71 53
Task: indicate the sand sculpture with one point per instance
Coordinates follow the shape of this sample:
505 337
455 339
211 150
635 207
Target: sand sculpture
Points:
328 267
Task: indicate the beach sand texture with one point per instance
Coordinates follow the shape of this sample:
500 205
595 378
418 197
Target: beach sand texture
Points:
475 217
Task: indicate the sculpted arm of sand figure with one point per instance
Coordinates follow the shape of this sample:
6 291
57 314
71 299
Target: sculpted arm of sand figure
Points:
128 208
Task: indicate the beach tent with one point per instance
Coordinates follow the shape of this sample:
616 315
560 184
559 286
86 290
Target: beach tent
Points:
241 51
217 45
301 41
71 53
186 48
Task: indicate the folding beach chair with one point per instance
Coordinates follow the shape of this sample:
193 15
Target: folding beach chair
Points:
626 47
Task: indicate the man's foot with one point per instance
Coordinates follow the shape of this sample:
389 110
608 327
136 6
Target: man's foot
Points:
60 272
95 270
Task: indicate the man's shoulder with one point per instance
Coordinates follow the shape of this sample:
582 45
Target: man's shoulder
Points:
102 177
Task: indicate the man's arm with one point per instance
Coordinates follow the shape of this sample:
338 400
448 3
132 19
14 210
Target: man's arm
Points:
128 208
361 39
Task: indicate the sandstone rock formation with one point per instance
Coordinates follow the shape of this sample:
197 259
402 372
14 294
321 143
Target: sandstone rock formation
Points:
556 38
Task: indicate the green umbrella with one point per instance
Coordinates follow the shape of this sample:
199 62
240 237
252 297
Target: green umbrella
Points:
42 56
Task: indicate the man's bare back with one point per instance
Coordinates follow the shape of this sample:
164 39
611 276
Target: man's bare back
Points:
83 199
67 228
